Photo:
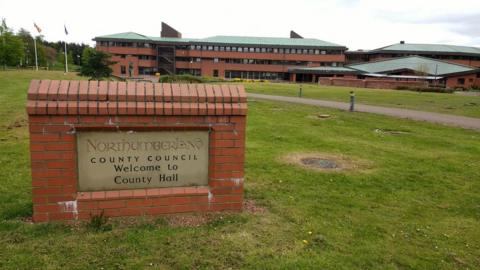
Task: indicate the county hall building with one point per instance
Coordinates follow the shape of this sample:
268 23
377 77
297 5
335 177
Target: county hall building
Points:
218 56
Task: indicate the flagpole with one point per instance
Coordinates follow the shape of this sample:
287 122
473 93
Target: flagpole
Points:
66 62
35 46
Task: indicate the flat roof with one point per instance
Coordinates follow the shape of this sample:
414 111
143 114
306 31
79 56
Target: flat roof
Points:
231 40
415 63
428 48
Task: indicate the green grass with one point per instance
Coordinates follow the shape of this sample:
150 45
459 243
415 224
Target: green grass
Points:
418 207
433 102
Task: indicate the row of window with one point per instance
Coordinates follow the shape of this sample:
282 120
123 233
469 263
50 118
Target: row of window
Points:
224 48
126 44
255 61
140 57
256 75
194 72
261 49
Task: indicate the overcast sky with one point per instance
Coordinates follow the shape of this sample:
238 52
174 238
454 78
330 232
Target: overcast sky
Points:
357 24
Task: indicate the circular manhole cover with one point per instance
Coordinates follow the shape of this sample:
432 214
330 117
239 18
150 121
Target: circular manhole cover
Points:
320 163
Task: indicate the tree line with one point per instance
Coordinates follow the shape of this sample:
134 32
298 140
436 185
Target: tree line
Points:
17 50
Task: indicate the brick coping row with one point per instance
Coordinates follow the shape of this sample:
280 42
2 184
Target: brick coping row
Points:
48 97
55 90
141 193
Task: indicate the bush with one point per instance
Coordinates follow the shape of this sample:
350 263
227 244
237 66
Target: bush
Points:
425 89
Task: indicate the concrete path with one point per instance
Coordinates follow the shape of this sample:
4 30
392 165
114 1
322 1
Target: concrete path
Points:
440 118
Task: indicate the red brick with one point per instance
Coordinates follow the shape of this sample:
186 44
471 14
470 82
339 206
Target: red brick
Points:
61 216
60 198
33 89
184 208
149 92
131 211
63 90
39 200
102 90
139 203
112 194
179 200
42 208
73 90
87 205
83 90
98 195
111 204
47 191
40 217
158 210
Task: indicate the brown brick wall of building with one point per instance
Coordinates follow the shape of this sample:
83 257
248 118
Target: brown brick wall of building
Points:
369 83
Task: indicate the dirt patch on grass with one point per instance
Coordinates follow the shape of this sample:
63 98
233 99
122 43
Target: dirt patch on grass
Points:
18 124
249 206
326 162
200 219
320 116
391 131
189 220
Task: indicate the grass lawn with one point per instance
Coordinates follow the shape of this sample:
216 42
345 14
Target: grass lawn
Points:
417 206
433 102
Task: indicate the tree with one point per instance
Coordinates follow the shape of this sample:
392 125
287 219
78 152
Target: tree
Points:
11 47
97 65
86 54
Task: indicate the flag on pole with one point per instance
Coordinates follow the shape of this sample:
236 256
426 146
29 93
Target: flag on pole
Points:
38 28
66 57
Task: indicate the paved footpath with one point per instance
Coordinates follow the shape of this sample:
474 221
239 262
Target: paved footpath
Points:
440 118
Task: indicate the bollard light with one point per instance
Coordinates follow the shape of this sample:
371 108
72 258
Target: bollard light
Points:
352 101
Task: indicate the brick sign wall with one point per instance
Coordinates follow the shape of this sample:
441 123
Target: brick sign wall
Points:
131 149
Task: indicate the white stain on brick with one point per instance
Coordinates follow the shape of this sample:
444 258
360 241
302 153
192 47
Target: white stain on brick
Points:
69 207
210 196
110 122
72 129
237 181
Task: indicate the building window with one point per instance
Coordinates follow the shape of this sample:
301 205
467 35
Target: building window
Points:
461 81
323 52
240 49
210 48
123 70
215 73
222 48
215 48
280 50
215 60
252 49
228 49
317 51
198 59
264 50
257 50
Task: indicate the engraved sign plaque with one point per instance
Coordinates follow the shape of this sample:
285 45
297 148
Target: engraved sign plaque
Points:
143 159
